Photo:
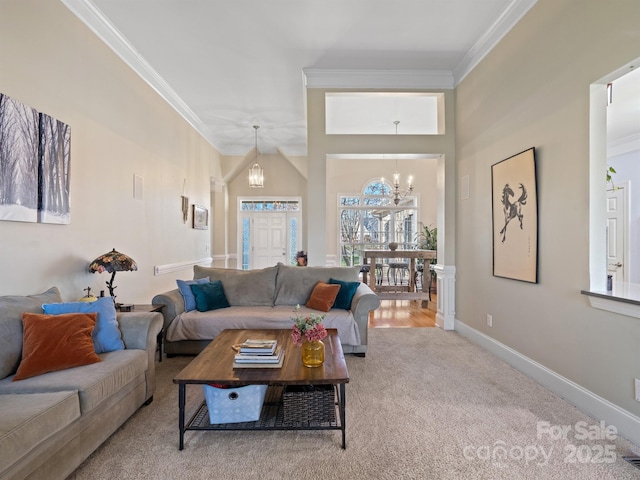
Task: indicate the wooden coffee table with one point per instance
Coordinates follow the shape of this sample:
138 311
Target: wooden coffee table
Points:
214 365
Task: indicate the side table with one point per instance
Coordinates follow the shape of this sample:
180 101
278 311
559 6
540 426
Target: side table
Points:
152 308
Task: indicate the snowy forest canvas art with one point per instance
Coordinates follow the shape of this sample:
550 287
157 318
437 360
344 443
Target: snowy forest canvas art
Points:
34 165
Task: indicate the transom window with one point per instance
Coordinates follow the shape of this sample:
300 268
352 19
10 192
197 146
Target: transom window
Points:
270 205
370 220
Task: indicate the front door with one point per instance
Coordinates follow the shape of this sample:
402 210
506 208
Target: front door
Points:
269 239
616 234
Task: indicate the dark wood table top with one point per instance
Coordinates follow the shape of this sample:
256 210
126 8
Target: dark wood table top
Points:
215 363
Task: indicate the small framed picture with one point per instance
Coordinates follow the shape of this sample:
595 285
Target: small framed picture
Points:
200 217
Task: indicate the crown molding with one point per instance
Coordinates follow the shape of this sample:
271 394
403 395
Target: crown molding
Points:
96 21
512 15
422 79
93 18
352 78
624 145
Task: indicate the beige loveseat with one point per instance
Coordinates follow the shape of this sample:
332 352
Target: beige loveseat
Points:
265 298
50 423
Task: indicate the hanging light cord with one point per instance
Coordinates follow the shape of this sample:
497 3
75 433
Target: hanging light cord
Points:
256 128
397 192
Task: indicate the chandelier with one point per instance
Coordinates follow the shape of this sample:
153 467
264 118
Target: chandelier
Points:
256 174
399 193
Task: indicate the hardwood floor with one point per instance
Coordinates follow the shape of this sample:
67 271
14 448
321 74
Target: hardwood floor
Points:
403 314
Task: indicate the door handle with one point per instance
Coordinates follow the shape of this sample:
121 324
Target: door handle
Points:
617 265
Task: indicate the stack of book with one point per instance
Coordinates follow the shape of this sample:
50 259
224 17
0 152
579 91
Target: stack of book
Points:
258 354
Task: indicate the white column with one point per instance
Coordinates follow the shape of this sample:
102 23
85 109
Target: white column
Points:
446 305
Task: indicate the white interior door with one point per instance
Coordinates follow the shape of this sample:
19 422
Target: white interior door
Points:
269 239
617 232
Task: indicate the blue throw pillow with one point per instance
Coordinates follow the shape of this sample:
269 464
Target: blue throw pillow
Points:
210 296
106 334
346 293
187 294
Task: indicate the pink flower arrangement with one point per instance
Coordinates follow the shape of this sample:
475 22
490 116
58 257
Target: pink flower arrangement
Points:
307 328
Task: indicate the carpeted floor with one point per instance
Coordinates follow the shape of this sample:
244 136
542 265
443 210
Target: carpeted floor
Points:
423 404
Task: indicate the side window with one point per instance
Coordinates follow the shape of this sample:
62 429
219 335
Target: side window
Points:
293 240
246 242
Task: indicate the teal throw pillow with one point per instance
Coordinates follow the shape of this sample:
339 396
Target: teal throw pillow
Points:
185 289
209 296
346 293
106 334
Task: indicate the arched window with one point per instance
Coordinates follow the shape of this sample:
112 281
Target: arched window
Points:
372 219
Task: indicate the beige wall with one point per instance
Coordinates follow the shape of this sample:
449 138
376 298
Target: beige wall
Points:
119 127
281 179
320 240
532 90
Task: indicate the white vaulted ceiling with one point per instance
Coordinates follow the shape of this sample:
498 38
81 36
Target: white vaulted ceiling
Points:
227 65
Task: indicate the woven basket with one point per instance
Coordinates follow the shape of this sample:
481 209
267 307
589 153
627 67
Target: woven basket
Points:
304 404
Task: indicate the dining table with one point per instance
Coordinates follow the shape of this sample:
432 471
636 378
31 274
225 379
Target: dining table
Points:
374 258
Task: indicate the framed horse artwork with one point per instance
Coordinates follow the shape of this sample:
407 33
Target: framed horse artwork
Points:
515 217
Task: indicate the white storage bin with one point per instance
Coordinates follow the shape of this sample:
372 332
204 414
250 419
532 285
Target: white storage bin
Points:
236 404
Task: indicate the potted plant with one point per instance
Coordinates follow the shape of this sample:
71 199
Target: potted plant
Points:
427 239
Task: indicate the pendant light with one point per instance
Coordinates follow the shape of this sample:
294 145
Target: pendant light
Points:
399 193
256 174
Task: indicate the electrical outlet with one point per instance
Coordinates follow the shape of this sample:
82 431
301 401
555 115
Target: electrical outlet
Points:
637 389
490 324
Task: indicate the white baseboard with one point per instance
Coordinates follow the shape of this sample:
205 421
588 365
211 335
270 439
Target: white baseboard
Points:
627 424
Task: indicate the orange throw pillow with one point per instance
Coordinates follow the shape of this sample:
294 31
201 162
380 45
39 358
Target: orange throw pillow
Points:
56 342
323 296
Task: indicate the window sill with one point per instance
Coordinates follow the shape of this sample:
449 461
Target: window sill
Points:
624 299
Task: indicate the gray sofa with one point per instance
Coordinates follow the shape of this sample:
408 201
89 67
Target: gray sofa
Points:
50 423
264 299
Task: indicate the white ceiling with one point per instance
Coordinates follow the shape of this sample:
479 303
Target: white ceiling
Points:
228 65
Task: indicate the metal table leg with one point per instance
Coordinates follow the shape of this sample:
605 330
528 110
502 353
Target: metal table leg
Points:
181 405
343 415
